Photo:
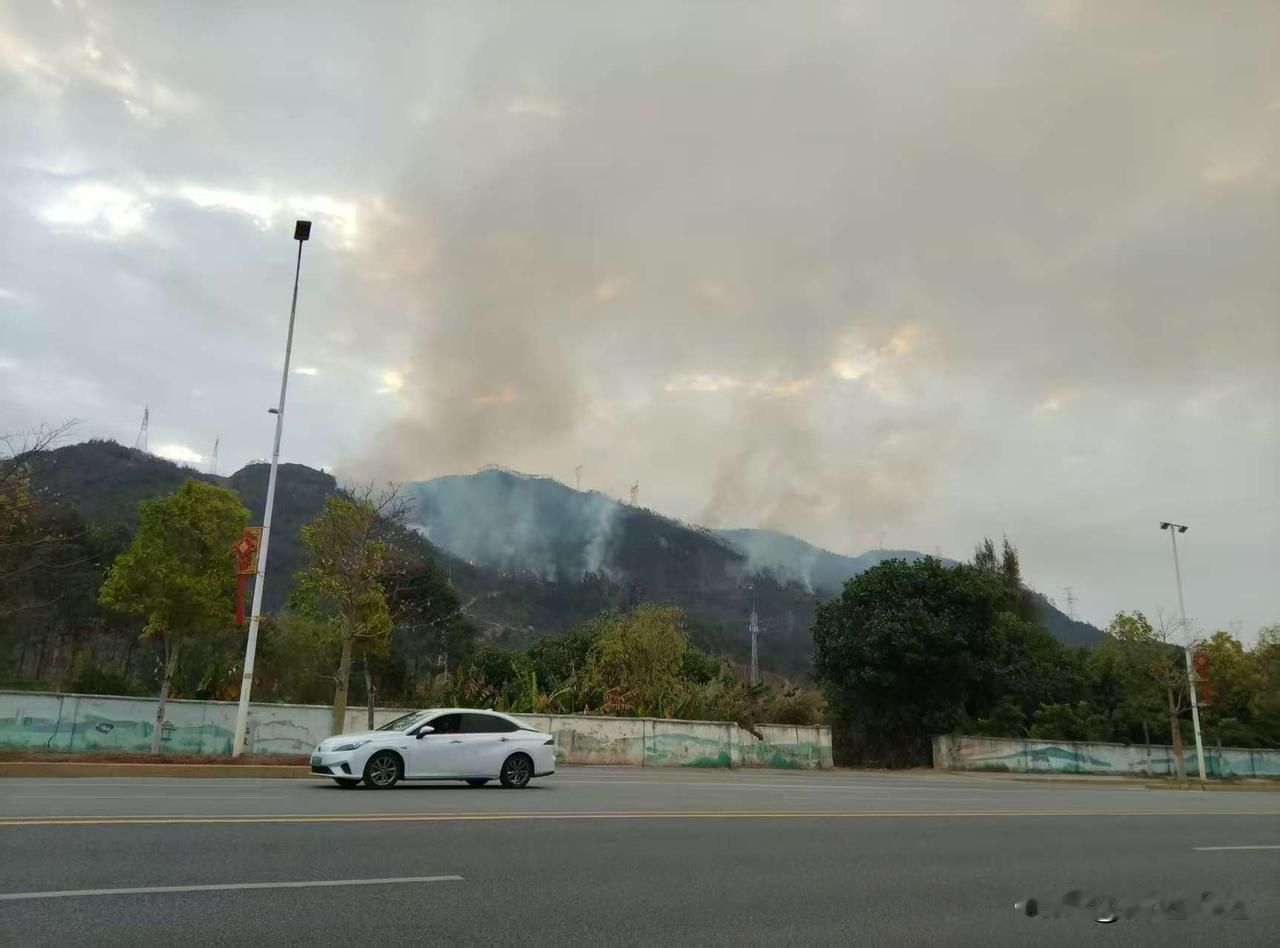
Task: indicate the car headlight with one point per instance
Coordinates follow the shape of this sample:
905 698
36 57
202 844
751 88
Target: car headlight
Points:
350 746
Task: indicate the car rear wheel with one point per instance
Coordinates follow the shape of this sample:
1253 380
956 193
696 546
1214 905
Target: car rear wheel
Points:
382 771
516 771
477 782
347 784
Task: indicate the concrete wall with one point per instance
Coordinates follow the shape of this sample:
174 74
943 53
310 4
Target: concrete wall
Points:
56 722
659 742
951 752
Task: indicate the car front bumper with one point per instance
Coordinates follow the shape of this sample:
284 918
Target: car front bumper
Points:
332 765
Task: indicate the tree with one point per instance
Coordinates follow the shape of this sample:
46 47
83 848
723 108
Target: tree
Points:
179 572
1151 671
503 679
908 650
1264 706
341 582
636 662
558 660
1232 678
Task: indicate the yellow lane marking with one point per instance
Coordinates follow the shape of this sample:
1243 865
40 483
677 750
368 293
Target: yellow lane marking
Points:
599 815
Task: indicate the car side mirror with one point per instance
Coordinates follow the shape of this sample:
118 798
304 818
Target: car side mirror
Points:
424 731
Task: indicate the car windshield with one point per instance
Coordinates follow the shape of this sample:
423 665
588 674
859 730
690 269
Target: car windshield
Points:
404 722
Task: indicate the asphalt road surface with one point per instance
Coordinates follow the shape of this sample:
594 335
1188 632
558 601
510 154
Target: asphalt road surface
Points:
629 856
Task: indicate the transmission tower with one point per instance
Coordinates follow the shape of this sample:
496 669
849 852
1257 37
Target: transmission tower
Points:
1071 602
754 628
577 477
141 443
635 490
213 458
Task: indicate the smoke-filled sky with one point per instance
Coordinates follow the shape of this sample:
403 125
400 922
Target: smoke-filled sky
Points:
873 273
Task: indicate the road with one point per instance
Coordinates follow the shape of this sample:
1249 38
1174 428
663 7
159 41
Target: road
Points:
627 856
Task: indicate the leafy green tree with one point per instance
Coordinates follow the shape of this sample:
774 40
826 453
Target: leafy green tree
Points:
503 679
1234 676
341 583
909 650
1151 672
560 663
1264 705
636 662
179 572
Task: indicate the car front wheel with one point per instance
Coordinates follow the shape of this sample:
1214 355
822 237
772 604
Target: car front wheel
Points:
382 771
516 771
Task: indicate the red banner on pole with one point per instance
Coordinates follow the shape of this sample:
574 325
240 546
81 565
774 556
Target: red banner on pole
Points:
246 552
1200 661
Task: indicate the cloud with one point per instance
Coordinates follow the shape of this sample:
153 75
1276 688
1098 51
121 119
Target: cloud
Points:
97 209
840 269
180 453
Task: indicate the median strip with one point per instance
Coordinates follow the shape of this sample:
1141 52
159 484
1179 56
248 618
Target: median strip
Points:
197 820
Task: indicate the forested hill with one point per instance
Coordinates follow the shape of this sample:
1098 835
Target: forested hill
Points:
529 555
104 482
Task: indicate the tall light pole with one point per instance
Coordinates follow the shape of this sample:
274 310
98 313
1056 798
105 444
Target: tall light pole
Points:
1174 529
301 233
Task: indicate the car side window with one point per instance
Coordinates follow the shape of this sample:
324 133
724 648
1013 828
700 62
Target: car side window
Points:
485 724
447 724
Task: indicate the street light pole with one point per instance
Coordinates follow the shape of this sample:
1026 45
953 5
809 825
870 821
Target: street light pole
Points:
1174 529
301 233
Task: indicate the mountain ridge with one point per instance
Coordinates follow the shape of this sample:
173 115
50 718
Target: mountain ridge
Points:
529 555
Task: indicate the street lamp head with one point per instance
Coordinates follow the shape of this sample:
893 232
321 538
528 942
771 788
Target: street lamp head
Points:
1182 529
1164 525
302 230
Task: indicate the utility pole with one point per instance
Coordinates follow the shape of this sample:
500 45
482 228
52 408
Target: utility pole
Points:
1071 601
577 477
301 233
140 443
635 490
754 628
213 460
1174 529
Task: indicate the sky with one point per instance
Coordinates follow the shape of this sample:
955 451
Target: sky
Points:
875 274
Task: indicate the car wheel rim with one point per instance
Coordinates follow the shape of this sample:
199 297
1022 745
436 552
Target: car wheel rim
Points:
517 770
383 771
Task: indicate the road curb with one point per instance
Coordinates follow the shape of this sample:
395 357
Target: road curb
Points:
18 768
1105 780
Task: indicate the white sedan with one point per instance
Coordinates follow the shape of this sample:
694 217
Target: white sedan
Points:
439 744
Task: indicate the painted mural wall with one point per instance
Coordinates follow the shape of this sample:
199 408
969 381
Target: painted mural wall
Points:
952 752
82 723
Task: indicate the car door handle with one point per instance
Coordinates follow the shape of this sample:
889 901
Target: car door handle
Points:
504 739
456 740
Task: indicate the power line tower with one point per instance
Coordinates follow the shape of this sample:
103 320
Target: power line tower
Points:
754 628
577 477
635 490
213 458
1071 602
140 444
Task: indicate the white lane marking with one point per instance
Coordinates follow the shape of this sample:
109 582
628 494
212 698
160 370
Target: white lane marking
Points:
143 796
224 887
1216 849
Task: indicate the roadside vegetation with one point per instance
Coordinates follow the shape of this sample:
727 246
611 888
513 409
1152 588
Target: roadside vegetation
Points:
914 649
907 650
